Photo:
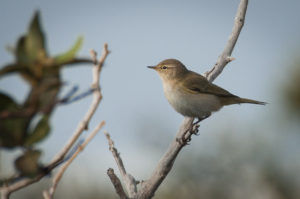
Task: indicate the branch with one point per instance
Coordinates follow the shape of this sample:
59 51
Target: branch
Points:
165 164
225 57
18 67
49 194
128 179
117 183
83 125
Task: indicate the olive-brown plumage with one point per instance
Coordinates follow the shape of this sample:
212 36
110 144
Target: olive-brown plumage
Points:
190 93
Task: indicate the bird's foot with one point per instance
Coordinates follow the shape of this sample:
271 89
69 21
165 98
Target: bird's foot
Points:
192 130
195 129
185 138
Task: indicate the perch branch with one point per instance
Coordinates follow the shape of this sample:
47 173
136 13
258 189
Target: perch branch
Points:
166 162
7 190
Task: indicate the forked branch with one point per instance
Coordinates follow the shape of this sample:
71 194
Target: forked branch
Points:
187 129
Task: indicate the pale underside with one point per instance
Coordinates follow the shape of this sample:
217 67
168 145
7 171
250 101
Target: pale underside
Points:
191 104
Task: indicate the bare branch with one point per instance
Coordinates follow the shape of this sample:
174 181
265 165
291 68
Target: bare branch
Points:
7 190
117 184
225 57
165 164
128 180
116 155
46 195
96 100
63 168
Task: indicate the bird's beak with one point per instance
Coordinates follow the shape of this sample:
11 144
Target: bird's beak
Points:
152 67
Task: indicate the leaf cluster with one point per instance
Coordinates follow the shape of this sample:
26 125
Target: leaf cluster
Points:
24 125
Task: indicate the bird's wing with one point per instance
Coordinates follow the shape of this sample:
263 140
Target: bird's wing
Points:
197 84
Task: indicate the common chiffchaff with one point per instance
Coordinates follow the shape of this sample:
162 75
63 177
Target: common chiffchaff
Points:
191 94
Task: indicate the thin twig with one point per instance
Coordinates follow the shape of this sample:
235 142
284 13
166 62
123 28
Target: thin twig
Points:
7 190
97 96
225 57
63 168
46 195
128 180
165 164
117 183
115 153
96 100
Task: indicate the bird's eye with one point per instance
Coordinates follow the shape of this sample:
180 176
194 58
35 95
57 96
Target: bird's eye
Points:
164 67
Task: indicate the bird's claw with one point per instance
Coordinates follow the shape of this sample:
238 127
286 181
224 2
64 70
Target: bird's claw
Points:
193 130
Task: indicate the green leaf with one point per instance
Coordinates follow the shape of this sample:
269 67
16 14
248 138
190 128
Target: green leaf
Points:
21 54
70 54
35 40
12 130
24 61
7 103
40 132
30 52
27 164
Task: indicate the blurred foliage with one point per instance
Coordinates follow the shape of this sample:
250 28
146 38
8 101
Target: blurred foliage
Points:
24 125
12 130
292 89
27 164
253 171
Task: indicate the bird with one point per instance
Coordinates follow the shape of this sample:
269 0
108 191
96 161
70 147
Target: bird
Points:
191 94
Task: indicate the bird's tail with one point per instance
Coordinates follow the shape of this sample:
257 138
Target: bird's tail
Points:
238 100
250 101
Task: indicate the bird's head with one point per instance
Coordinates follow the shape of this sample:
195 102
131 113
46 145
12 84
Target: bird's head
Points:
170 69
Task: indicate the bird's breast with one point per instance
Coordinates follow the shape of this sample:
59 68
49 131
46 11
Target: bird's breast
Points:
190 104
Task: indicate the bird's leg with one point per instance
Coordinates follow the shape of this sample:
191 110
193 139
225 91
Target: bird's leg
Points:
195 125
198 120
202 118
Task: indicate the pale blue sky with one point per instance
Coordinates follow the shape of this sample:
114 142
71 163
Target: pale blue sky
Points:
141 33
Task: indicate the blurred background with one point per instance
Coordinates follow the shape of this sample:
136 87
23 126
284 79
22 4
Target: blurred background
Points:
242 150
